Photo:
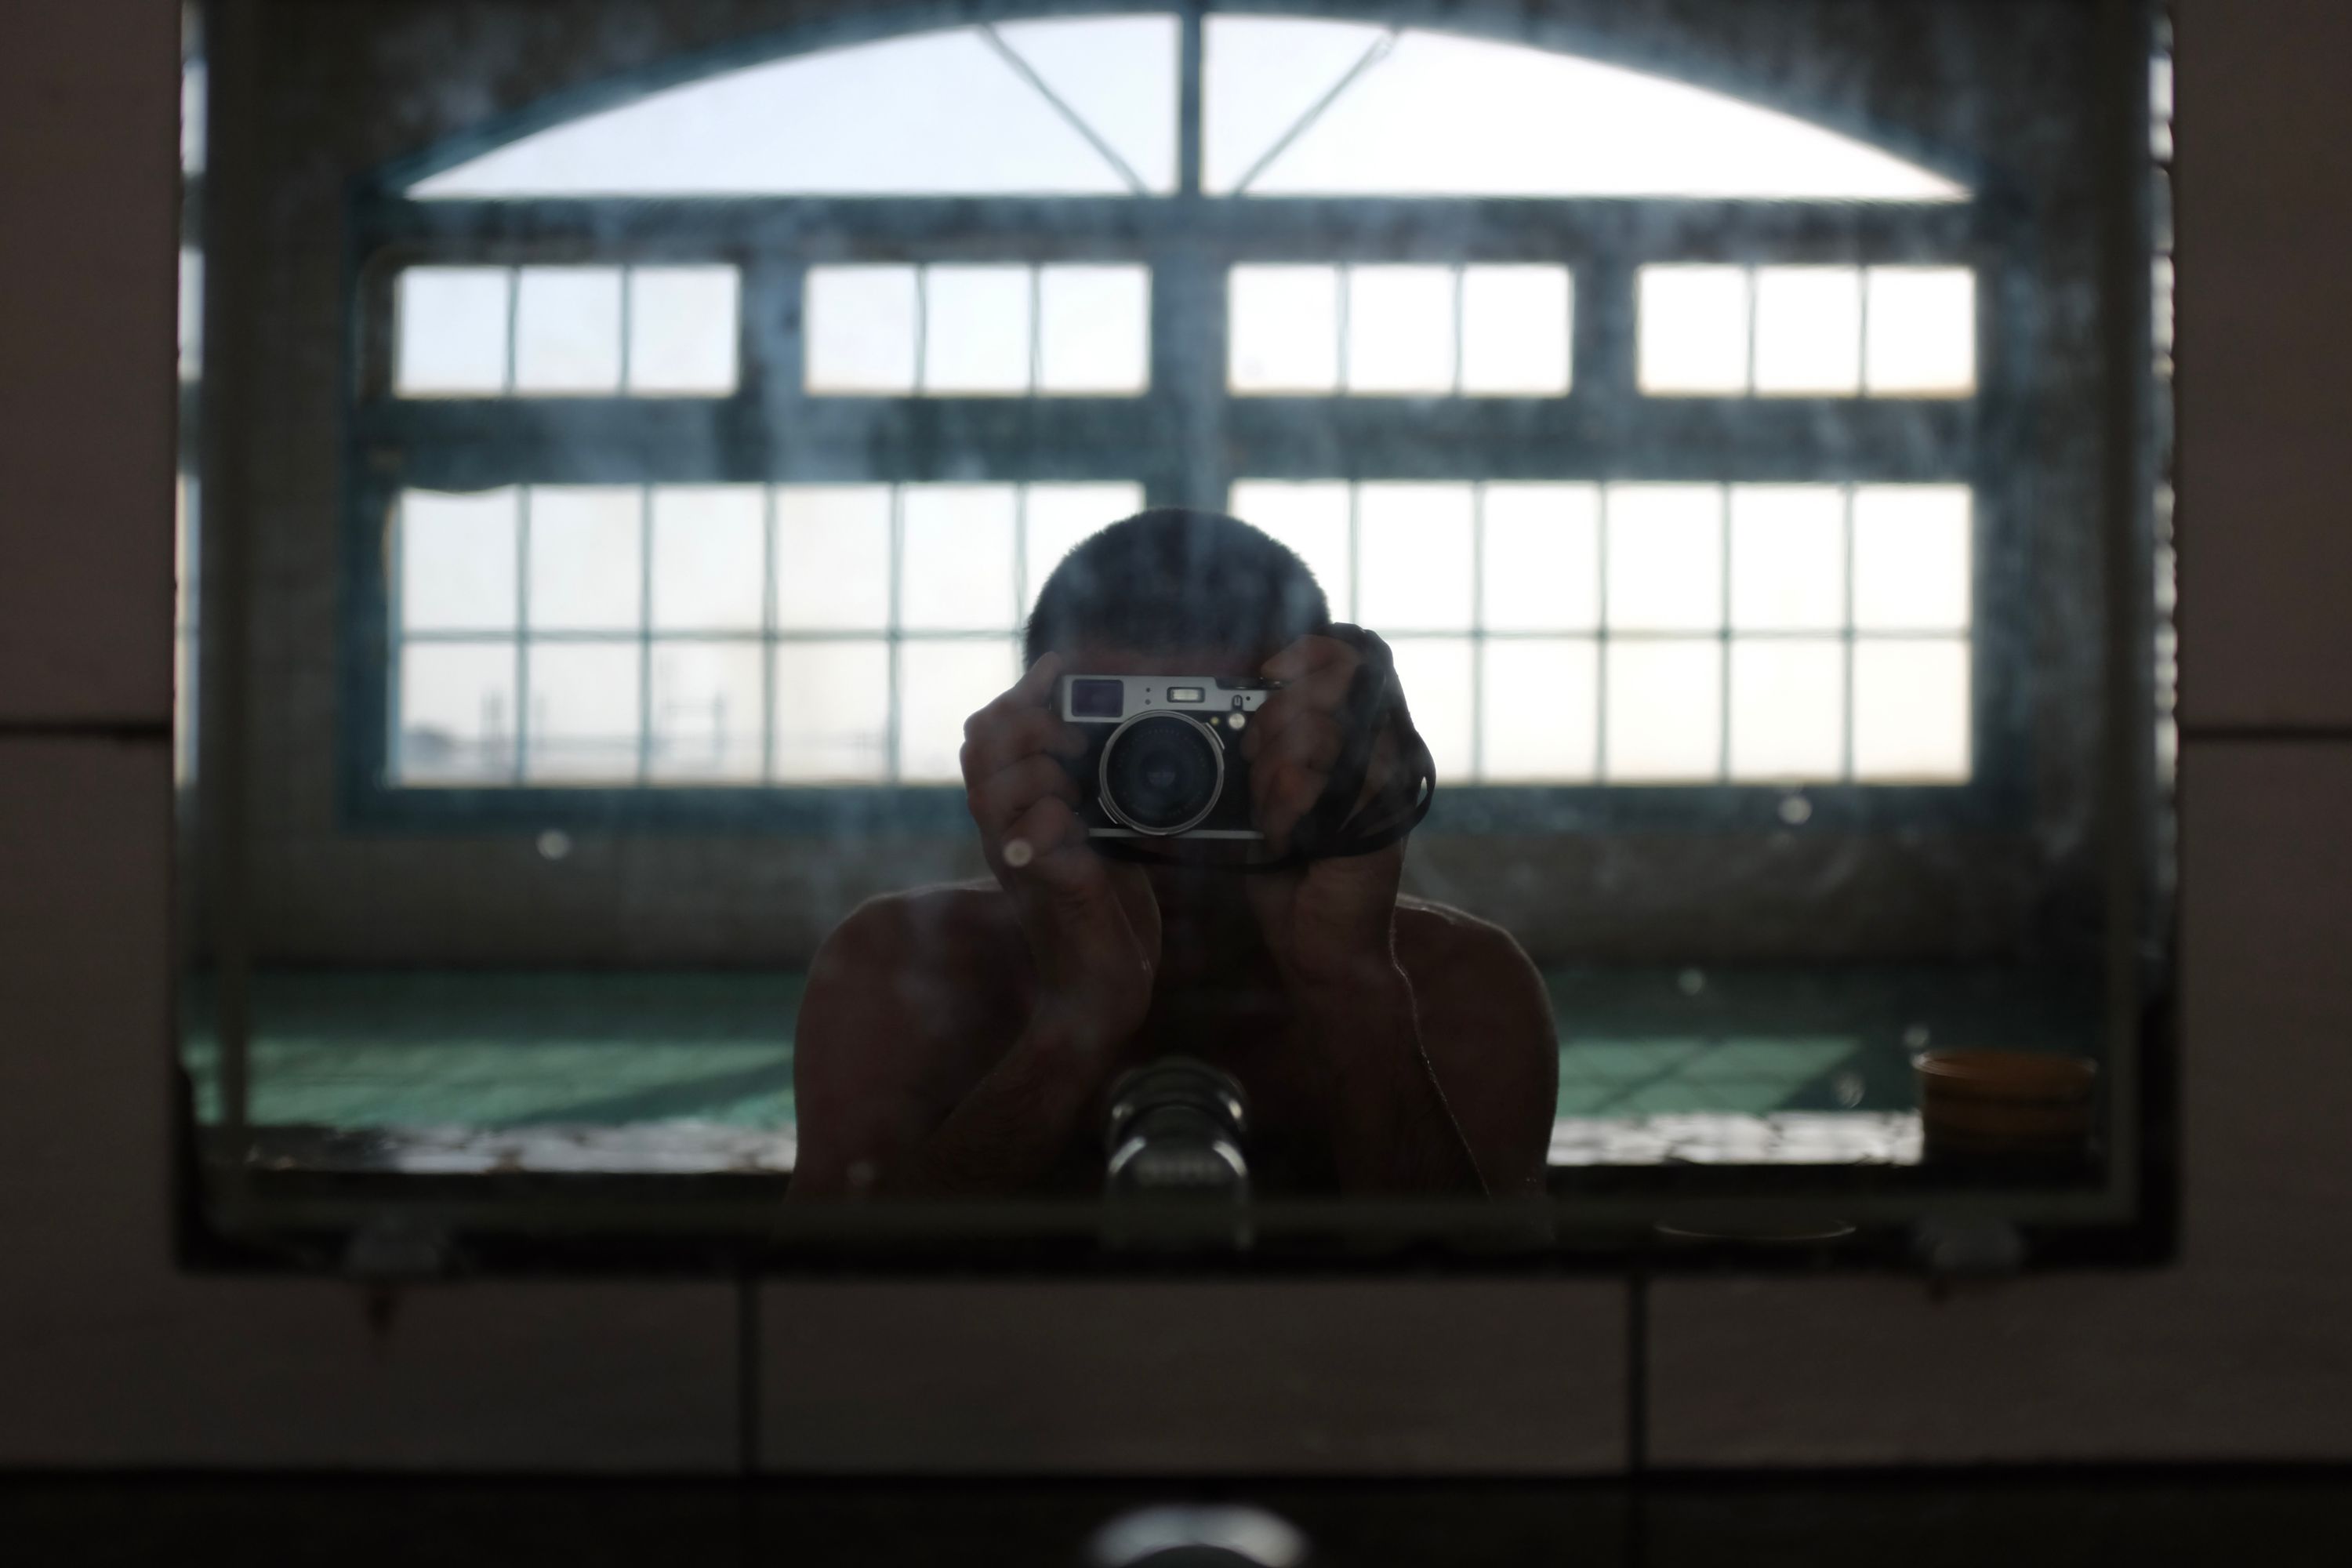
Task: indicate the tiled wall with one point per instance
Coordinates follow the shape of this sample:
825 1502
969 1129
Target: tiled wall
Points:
2243 1349
111 1356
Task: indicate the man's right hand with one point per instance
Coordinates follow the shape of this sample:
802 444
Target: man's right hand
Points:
1092 924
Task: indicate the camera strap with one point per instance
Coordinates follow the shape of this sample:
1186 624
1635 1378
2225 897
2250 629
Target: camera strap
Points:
1343 822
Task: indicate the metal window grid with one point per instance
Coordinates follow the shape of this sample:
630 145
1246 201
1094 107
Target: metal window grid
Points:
771 634
1188 437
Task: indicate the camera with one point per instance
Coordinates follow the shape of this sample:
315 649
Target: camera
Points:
1163 755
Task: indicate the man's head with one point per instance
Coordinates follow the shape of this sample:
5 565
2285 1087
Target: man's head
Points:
1174 581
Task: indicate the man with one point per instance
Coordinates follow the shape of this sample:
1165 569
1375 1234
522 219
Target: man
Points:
962 1040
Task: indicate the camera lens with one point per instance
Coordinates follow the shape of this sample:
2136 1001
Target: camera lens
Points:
1161 772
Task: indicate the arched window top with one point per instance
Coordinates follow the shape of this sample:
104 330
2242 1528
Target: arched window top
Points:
1079 106
1427 113
1292 106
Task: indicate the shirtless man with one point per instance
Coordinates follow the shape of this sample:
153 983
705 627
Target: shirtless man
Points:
962 1040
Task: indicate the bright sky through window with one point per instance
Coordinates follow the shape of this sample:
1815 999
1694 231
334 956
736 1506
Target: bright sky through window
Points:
1559 632
1086 105
1428 113
1050 107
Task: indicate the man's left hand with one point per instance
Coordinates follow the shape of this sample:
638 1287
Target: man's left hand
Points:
1330 922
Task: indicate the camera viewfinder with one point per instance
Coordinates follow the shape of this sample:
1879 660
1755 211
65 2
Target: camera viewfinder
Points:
1098 699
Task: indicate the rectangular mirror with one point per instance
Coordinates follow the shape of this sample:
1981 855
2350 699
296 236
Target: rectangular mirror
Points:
1127 632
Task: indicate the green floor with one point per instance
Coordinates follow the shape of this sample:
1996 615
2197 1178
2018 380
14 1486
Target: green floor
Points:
371 1049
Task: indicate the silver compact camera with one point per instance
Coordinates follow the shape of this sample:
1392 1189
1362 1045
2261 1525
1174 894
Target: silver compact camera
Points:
1163 755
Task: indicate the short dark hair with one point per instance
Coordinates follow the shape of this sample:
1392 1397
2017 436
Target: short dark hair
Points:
1173 577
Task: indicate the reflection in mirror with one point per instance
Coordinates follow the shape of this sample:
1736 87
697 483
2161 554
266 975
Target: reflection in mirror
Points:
1155 631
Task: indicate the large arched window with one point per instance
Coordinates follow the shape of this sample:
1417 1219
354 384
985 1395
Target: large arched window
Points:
719 436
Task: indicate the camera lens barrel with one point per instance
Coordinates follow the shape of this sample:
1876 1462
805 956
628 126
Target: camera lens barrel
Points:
1175 1132
1161 772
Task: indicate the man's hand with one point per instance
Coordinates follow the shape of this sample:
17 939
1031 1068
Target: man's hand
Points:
1332 923
1092 924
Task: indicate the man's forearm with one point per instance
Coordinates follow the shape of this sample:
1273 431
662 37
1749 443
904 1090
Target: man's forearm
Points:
1391 1131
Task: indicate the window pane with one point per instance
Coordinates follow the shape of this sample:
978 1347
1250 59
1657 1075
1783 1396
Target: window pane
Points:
956 561
583 713
705 714
1542 709
458 562
1119 75
708 557
1401 328
1312 520
833 711
457 713
930 113
1788 709
1913 559
452 331
1665 557
682 330
1445 114
1788 557
1059 517
568 329
194 78
1435 675
1694 330
1808 329
586 557
1260 76
1923 331
941 684
1911 710
1542 558
833 557
1515 325
1284 329
1095 332
1665 712
1413 557
859 323
976 329
192 313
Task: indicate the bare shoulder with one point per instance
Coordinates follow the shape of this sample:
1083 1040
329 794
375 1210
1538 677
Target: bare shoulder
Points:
927 957
1471 972
906 1004
1486 1024
943 921
1448 948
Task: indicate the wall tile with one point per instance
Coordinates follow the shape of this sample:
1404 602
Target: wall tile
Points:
2266 161
89 187
1231 1378
111 1356
2238 1351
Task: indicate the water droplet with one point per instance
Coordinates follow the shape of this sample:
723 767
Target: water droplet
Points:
1796 810
1017 853
1690 982
1847 1087
554 844
1914 1039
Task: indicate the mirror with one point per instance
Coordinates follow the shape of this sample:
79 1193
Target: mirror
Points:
1112 631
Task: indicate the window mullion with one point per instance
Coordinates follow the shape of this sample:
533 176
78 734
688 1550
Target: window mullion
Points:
645 632
1188 463
1188 100
522 634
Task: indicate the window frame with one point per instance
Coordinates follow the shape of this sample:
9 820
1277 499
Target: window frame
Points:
1188 437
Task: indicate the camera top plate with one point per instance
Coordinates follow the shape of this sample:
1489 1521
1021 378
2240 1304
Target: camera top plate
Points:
1114 698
